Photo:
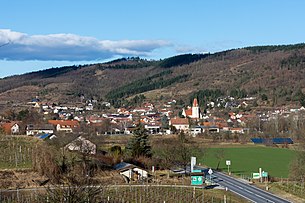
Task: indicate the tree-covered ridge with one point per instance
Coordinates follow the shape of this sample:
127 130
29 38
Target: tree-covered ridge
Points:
128 63
124 59
140 64
181 60
54 72
272 48
150 83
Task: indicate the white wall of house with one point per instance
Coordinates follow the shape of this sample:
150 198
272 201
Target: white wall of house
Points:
82 145
127 173
142 172
64 128
183 127
35 132
196 131
15 129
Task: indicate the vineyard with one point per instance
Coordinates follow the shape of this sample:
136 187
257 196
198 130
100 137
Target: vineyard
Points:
133 194
16 152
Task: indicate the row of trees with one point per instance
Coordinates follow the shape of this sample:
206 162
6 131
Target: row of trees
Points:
181 60
273 48
150 83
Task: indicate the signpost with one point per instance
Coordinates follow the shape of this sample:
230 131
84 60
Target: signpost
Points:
197 179
210 172
260 175
265 174
255 175
228 163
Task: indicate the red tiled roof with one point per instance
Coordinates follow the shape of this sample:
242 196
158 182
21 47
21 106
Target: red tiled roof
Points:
188 112
179 121
7 127
71 123
208 124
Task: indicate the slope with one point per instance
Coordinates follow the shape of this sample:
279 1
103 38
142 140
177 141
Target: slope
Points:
276 71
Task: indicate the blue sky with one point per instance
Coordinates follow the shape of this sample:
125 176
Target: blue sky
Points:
43 34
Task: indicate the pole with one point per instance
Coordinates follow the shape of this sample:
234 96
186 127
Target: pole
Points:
260 175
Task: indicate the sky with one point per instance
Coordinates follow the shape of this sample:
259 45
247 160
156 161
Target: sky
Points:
36 34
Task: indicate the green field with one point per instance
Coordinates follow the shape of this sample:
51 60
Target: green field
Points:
248 160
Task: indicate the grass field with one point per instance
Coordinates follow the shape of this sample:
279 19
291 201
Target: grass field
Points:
248 160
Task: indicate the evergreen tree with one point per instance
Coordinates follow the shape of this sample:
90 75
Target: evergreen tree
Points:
164 122
138 145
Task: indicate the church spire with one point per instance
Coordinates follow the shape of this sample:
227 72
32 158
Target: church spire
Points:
195 102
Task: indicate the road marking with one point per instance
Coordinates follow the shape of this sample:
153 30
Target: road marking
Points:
229 180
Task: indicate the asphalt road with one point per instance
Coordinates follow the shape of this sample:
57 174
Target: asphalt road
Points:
244 189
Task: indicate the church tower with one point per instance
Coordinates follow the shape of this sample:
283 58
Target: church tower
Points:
195 109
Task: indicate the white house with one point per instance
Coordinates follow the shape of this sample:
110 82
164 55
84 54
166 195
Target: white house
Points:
39 129
181 124
10 128
82 145
65 125
194 131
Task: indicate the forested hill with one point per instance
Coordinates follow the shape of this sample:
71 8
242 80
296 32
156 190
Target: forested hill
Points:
274 72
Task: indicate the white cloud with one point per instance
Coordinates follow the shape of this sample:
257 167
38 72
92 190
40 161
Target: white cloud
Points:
182 49
70 47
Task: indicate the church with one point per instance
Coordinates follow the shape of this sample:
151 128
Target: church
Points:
192 112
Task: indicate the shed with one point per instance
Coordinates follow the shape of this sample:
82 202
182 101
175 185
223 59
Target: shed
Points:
130 171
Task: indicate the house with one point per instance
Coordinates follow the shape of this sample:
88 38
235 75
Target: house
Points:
181 124
39 129
193 112
210 127
194 131
11 128
131 172
82 145
35 102
64 125
237 130
152 128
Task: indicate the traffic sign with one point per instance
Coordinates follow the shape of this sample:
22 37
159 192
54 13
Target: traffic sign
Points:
228 162
256 176
264 174
210 171
197 180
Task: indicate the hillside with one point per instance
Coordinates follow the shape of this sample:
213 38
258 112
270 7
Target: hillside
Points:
274 71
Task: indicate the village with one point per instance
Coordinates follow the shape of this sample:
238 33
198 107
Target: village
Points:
100 138
234 117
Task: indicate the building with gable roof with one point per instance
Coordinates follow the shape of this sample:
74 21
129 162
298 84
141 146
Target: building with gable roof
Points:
181 124
65 125
10 128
